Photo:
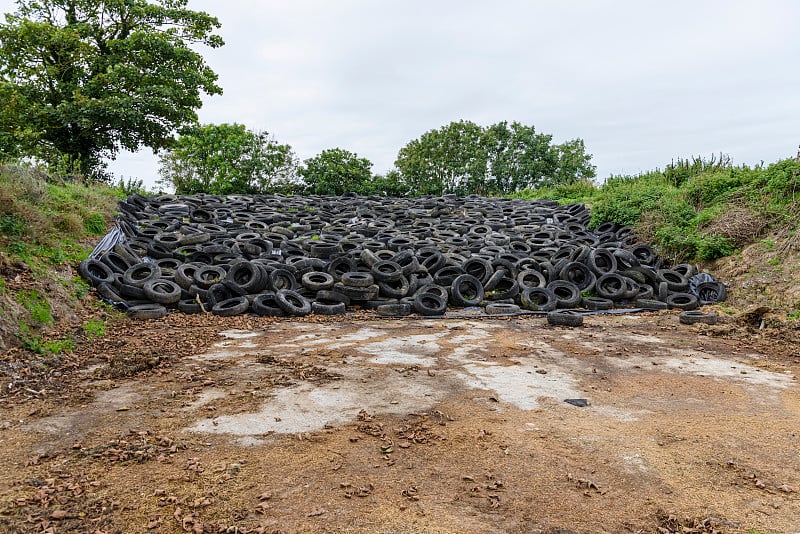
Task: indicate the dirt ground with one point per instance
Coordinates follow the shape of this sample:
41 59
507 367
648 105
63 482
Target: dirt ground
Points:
205 424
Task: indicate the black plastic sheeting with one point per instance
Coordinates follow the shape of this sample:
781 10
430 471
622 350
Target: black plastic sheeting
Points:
109 241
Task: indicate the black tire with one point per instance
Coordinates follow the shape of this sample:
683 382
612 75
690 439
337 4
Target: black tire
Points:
578 274
480 268
244 278
501 308
319 307
650 304
407 261
504 288
436 290
696 316
387 271
645 292
292 302
568 295
597 303
602 261
130 292
368 258
676 282
189 306
682 301
162 291
429 304
357 279
316 281
531 278
218 293
230 307
127 253
395 309
611 286
433 262
118 263
168 266
357 293
711 292
208 275
644 254
466 290
141 273
538 299
394 289
146 311
184 275
446 275
328 295
341 265
662 291
565 318
96 272
281 279
266 305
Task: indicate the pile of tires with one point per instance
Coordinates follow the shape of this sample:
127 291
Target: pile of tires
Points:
279 255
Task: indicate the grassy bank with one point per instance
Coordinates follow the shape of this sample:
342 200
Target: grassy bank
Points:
46 227
698 209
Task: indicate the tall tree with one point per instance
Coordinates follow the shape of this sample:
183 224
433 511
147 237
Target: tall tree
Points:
465 158
227 159
448 160
573 162
85 78
519 157
336 171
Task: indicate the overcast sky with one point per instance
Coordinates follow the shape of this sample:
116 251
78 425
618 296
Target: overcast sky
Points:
642 82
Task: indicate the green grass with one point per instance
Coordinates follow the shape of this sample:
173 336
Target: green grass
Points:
37 305
45 223
694 209
48 223
37 344
94 328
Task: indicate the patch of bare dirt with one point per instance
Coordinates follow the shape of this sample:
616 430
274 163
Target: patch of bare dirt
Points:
206 424
764 273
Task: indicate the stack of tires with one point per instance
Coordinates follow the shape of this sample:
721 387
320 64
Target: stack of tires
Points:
276 255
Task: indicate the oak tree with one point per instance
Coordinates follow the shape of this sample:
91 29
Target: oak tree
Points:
82 79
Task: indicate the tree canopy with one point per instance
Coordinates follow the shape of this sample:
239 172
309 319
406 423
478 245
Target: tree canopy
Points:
336 171
227 159
82 79
464 158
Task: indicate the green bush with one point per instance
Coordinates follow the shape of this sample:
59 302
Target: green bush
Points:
623 199
709 188
565 193
714 247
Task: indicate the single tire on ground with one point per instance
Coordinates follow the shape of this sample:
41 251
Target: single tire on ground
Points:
697 316
565 318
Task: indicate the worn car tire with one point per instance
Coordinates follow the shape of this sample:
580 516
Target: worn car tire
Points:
565 318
